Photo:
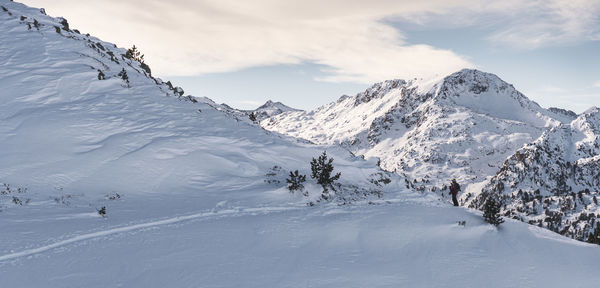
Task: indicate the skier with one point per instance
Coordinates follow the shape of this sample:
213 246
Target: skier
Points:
454 188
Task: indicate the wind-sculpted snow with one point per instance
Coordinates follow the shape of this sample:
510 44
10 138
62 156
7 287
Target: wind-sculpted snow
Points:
114 181
71 121
462 126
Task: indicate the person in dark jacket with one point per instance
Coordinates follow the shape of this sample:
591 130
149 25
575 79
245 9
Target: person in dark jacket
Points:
454 188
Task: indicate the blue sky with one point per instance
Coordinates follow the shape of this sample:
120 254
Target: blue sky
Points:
308 53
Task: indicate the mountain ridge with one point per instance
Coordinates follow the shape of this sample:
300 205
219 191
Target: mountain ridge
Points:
392 119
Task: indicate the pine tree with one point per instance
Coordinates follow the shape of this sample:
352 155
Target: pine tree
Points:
295 181
491 211
123 75
321 171
134 54
594 237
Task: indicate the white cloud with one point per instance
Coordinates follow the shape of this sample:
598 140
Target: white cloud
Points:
190 37
548 23
597 84
185 37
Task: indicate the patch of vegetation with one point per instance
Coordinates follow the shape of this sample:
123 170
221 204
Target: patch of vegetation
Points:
322 169
295 181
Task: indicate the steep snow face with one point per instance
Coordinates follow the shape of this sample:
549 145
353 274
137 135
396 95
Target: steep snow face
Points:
71 122
462 126
485 93
553 182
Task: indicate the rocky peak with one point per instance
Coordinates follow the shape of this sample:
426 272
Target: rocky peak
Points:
378 90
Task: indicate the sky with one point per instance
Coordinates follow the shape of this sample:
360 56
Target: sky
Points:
306 53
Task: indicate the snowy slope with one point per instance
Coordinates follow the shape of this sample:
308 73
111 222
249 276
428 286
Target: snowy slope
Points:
71 143
402 244
63 128
462 126
553 182
188 200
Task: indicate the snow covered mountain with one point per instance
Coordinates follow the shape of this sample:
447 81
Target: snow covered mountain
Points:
462 126
553 182
270 109
195 196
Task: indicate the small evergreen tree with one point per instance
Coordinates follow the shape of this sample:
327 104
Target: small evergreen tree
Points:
295 181
321 171
101 75
253 118
102 211
491 211
123 75
134 54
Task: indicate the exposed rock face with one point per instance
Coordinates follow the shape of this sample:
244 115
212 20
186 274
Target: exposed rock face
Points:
554 181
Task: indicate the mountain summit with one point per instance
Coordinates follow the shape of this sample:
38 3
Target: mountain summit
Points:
461 126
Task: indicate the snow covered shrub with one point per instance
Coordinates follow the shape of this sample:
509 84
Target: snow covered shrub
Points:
146 68
15 195
112 56
101 75
102 211
113 196
272 176
321 171
63 199
64 23
252 117
491 211
57 29
379 179
295 181
179 91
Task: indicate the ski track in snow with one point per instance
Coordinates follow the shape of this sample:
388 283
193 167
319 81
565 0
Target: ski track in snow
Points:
203 215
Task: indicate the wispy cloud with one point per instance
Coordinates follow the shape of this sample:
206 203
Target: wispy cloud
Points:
187 37
544 23
597 84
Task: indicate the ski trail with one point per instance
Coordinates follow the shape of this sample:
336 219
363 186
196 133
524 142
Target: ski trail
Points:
228 212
